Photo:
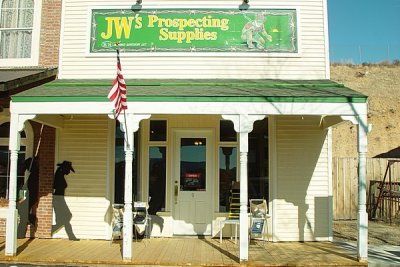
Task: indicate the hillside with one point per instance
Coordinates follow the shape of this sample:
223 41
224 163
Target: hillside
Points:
381 83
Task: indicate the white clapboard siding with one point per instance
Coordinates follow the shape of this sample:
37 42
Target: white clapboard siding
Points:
302 207
309 63
89 218
83 141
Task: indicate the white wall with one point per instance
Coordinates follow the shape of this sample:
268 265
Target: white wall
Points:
301 210
83 141
309 63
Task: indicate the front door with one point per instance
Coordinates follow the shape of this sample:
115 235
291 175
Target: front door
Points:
192 182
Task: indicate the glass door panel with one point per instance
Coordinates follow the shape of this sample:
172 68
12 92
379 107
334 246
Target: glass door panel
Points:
193 164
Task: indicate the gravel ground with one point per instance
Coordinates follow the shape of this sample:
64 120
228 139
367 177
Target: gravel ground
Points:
379 233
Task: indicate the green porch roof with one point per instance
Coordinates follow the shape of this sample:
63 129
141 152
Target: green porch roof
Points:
317 91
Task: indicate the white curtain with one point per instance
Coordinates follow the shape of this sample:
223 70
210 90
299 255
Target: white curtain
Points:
16 22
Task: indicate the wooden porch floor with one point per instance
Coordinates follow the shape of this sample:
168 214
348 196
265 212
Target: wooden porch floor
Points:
178 252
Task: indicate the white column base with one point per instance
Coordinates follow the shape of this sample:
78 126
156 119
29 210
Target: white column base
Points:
128 233
362 240
11 232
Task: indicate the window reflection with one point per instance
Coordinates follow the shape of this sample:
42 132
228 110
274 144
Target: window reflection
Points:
258 160
5 160
227 175
193 164
258 183
119 186
226 131
5 170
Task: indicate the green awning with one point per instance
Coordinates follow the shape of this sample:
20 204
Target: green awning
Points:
313 91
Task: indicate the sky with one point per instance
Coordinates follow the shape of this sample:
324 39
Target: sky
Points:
364 31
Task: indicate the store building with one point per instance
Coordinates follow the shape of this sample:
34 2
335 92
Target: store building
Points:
218 92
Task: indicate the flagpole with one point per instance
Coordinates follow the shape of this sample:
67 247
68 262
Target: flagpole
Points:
126 125
117 110
126 131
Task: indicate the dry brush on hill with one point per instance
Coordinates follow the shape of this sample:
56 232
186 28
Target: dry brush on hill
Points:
381 83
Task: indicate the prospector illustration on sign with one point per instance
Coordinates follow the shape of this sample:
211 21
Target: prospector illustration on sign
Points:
253 30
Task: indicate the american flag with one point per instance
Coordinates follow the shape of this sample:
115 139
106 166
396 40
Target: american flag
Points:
117 94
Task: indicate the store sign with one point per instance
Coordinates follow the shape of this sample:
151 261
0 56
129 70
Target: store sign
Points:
200 30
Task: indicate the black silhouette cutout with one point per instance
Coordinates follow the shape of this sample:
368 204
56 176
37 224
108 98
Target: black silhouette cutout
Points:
28 198
60 184
33 188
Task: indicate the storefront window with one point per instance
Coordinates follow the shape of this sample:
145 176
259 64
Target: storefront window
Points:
5 160
119 186
258 185
5 170
157 176
258 180
227 175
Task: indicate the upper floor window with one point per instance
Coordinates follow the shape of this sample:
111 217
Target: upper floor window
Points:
19 32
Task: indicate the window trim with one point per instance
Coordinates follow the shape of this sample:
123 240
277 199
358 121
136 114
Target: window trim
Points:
34 59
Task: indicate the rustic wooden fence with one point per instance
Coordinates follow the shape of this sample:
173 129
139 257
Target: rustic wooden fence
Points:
345 183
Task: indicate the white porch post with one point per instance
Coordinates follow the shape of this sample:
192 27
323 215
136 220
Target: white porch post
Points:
362 240
243 124
243 218
129 124
16 126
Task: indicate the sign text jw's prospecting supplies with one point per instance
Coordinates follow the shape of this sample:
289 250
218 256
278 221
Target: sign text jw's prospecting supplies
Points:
179 30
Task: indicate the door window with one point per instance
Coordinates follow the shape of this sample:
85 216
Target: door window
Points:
193 164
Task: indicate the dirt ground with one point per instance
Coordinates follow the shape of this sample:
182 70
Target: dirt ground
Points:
378 232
